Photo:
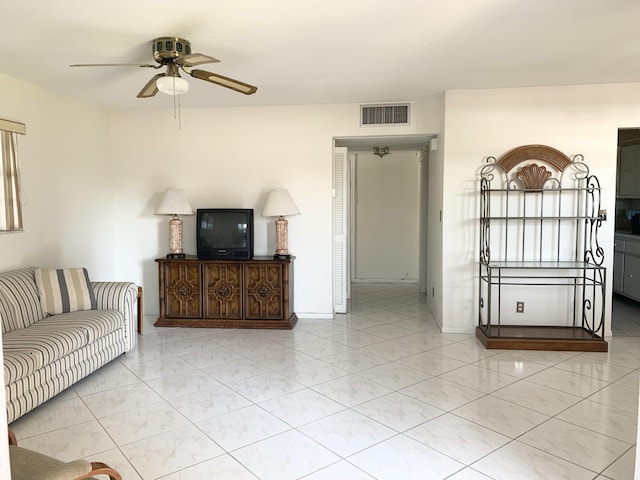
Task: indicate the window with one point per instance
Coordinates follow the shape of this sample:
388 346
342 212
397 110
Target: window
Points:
10 184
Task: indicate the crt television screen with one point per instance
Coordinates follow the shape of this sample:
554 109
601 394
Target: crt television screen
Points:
223 230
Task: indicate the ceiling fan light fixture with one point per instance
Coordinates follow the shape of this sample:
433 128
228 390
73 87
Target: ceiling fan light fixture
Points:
172 85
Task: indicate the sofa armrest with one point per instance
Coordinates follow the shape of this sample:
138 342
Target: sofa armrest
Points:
121 296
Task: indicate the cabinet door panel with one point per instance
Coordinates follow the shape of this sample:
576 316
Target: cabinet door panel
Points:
264 292
183 293
618 272
632 276
223 290
628 171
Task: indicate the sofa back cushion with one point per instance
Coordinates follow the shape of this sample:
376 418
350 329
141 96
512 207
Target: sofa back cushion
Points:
64 290
20 303
8 314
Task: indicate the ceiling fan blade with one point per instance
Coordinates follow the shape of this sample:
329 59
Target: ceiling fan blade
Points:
150 89
147 65
195 59
224 81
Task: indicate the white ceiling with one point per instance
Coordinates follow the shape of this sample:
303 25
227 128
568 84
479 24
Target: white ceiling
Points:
318 52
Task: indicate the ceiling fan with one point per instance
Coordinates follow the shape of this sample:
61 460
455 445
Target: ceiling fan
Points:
175 54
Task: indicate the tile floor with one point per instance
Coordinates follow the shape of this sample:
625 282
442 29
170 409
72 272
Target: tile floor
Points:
378 393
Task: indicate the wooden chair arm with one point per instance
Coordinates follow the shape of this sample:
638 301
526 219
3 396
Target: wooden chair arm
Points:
12 437
99 468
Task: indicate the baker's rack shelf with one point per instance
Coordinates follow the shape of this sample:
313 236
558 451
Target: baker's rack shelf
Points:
539 227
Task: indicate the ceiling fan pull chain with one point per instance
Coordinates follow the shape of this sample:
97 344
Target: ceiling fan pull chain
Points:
177 111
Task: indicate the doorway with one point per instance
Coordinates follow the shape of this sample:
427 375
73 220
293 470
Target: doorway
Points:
626 255
379 211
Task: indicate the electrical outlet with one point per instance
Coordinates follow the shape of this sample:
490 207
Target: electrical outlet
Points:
519 307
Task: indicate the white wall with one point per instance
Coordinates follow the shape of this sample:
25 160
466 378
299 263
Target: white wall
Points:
66 169
232 157
423 233
435 200
577 119
386 216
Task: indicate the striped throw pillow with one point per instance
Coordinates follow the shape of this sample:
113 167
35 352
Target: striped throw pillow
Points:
64 290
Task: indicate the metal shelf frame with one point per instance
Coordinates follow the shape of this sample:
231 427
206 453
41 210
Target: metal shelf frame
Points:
539 227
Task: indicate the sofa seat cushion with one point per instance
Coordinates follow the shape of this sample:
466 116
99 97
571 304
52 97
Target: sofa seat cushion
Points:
27 393
94 323
20 363
44 345
28 349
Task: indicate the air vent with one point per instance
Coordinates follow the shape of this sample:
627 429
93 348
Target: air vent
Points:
387 114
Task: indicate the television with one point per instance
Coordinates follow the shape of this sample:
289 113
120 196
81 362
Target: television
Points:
224 233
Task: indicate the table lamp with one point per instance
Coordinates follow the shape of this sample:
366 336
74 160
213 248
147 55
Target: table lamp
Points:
278 204
174 202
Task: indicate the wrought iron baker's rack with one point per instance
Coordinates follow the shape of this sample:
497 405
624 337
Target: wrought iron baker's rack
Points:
540 215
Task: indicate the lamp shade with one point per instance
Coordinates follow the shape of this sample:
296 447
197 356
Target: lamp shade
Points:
172 85
279 203
174 202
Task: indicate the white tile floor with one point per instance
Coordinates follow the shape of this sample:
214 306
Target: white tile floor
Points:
378 393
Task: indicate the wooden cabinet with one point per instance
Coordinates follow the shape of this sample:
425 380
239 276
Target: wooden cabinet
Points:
254 293
626 266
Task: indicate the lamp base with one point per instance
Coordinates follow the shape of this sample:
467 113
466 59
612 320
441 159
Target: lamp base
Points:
176 255
175 235
282 256
282 230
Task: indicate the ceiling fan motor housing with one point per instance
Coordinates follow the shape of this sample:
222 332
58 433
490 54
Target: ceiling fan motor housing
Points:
166 49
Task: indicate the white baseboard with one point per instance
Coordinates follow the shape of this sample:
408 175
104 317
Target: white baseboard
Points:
465 330
318 316
411 281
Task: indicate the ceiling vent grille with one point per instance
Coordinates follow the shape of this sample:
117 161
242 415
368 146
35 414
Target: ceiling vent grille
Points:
387 114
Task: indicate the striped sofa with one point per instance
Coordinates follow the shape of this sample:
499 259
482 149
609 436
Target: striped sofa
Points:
44 354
